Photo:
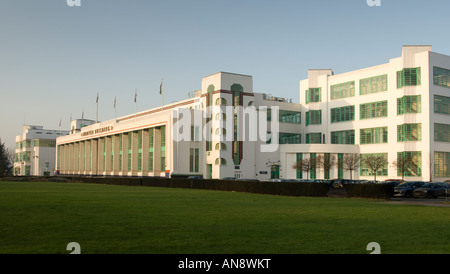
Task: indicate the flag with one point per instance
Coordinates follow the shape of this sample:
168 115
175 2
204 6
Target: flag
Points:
114 102
160 87
135 96
59 122
97 99
82 114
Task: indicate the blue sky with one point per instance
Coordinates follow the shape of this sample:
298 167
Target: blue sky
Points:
55 58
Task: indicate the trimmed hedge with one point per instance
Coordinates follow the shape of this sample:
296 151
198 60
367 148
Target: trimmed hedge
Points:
273 188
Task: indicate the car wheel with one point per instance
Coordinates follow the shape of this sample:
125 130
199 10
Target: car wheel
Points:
430 196
408 194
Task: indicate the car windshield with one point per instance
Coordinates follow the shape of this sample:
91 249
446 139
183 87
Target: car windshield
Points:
428 185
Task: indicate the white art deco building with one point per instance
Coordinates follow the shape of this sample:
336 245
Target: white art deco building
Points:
399 109
35 151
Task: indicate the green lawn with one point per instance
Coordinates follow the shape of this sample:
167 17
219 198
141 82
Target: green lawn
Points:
40 217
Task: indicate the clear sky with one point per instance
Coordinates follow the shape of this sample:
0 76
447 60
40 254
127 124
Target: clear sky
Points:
54 59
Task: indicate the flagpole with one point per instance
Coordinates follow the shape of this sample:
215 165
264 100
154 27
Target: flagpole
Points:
96 117
135 103
115 113
160 92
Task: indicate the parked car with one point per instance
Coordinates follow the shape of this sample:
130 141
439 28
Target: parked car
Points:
195 177
393 182
406 189
431 190
229 178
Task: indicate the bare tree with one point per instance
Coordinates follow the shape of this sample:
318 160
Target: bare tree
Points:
326 162
305 165
351 162
404 164
374 163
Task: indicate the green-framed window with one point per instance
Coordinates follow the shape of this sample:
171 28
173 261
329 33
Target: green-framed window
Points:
409 132
299 171
366 171
130 150
340 165
409 104
163 148
408 77
442 132
292 117
139 162
373 110
377 135
194 156
441 77
441 104
151 136
314 117
345 137
120 150
44 143
342 90
342 114
313 95
373 84
313 171
416 168
314 138
441 164
290 138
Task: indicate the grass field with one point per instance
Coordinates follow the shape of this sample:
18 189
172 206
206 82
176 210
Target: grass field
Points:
40 217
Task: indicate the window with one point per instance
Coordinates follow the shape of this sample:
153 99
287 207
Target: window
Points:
345 137
163 148
373 84
314 117
408 77
409 132
342 90
343 114
313 95
314 138
441 104
373 110
139 133
299 171
441 77
194 160
416 168
366 171
221 161
292 117
129 135
290 138
442 132
441 164
150 149
373 135
409 104
221 146
221 102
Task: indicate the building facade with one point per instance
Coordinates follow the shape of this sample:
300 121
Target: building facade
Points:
396 111
35 151
221 138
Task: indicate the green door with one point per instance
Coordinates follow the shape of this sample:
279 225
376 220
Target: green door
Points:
209 171
275 172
